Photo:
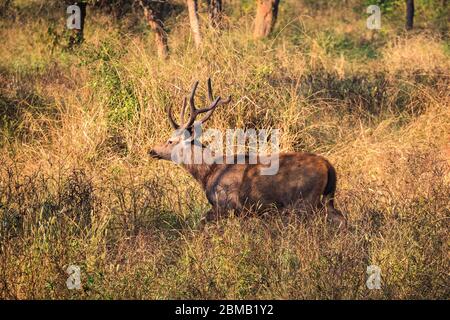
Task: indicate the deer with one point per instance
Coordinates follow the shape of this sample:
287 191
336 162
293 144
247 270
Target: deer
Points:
305 182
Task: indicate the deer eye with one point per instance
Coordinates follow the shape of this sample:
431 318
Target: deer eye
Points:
170 142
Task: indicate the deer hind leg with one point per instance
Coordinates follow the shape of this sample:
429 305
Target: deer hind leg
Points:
213 214
333 215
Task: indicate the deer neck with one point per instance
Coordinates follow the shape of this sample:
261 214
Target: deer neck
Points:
200 170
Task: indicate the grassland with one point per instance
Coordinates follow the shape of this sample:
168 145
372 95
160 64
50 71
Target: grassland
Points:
77 186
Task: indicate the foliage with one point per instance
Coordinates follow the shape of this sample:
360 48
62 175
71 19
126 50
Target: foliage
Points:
77 186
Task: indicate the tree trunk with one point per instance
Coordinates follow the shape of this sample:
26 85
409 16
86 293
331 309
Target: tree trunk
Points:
4 7
77 35
157 26
409 14
194 21
215 12
266 16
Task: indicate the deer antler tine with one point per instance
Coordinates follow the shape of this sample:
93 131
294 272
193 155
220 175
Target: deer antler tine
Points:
192 106
209 111
210 93
191 99
207 116
171 120
225 101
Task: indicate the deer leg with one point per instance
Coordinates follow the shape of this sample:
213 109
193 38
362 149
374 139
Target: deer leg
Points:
304 206
211 215
336 218
333 215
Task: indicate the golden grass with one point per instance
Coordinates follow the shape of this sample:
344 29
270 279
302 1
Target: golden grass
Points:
77 187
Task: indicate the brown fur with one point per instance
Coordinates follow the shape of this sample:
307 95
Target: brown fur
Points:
304 182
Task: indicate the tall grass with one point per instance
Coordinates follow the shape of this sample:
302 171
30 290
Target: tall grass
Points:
77 186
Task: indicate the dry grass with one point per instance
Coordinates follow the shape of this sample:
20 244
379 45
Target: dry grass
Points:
76 185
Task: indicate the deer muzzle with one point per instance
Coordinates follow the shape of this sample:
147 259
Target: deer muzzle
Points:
152 153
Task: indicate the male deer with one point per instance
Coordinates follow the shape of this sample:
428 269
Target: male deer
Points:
303 182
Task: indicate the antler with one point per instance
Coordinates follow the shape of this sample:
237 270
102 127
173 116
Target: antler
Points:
195 112
171 120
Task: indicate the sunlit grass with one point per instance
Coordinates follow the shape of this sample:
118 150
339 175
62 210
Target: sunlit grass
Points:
77 186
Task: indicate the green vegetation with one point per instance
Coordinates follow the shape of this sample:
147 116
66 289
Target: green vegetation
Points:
77 186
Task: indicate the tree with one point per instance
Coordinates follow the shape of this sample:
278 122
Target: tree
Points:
76 16
156 24
77 35
409 14
115 8
443 15
194 21
215 12
266 16
4 7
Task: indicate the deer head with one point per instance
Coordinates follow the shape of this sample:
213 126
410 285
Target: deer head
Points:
184 133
